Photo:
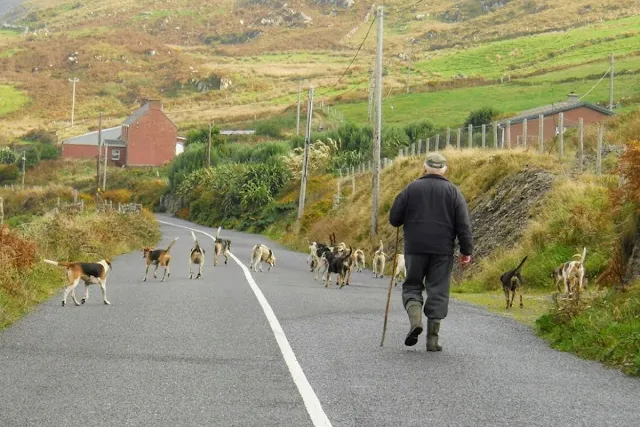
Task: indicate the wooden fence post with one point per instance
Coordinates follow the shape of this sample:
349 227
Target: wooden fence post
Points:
81 205
400 153
75 196
353 185
561 135
1 211
458 136
495 135
448 141
470 136
385 163
525 132
437 142
484 135
413 149
581 142
428 147
599 152
419 147
509 134
370 165
541 132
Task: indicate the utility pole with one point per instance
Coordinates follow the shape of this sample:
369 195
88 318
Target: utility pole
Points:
305 161
99 151
209 146
104 168
73 99
377 131
611 84
24 167
298 114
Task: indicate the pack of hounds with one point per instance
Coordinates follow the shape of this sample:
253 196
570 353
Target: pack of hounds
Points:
337 258
323 259
96 272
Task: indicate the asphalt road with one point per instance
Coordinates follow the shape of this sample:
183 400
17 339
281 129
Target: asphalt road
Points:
196 353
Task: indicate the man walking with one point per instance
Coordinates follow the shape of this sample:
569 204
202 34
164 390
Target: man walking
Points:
434 213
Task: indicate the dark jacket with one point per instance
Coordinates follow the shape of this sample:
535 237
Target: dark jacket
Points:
434 213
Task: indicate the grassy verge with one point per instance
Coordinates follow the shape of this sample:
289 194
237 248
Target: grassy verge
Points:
535 304
608 330
25 281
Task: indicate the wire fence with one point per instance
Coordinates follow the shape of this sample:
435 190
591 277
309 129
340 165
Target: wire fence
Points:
551 135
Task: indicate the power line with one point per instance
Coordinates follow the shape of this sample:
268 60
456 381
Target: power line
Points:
405 9
352 60
594 86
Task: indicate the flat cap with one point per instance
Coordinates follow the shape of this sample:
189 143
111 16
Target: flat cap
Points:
436 160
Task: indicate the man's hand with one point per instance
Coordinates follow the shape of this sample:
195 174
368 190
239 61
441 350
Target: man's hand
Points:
465 259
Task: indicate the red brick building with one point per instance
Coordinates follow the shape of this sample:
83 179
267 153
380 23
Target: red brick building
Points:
572 110
147 138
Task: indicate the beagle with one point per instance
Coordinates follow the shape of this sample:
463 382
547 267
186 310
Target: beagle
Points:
89 272
158 257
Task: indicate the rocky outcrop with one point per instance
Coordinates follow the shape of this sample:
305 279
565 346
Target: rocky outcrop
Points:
283 15
499 218
337 3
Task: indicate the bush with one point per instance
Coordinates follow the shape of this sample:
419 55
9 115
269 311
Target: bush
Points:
419 130
8 156
48 152
9 174
40 135
269 128
117 196
482 116
393 138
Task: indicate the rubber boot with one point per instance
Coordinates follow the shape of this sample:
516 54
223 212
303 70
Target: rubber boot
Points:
414 310
433 327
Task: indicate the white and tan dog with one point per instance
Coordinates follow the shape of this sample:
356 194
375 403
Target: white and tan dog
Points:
401 269
262 254
89 272
221 247
359 259
574 271
379 259
196 257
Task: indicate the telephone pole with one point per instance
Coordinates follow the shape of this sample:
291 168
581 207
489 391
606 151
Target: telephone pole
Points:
209 146
377 134
104 168
611 84
73 98
99 151
305 161
24 167
298 113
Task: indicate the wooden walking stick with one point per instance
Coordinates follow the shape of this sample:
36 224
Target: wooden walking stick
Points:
386 310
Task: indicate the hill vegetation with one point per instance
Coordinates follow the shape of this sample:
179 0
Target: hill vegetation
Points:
235 61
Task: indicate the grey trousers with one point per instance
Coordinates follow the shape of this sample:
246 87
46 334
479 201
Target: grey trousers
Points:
435 272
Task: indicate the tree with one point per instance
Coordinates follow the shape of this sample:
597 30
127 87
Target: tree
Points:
482 116
7 156
201 136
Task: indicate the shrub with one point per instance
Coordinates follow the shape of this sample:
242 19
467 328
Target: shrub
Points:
393 138
9 174
482 116
40 135
8 156
419 130
269 128
117 196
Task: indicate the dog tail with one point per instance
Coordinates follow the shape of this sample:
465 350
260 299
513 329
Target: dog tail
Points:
195 239
521 264
584 255
56 263
171 244
218 232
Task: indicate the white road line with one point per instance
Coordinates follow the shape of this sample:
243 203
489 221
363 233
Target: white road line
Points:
311 401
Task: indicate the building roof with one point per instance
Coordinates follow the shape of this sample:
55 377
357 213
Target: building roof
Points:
556 108
136 114
91 138
237 132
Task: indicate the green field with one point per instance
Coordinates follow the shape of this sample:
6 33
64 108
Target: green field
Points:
450 108
541 52
11 100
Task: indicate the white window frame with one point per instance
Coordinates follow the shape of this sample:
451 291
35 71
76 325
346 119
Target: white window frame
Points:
115 154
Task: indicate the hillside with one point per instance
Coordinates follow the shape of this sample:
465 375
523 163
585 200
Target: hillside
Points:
233 61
